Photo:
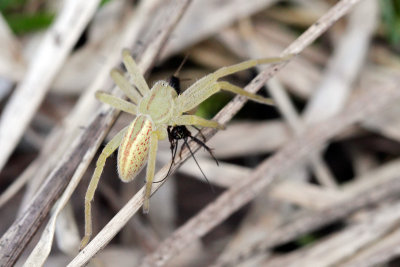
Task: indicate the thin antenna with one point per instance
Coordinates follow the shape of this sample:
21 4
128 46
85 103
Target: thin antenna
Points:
181 65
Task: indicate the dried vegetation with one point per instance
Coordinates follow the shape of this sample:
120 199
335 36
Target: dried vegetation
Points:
314 181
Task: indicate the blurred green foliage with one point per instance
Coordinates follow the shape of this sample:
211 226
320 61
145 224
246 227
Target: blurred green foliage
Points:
7 5
306 240
103 2
25 23
212 105
391 20
20 20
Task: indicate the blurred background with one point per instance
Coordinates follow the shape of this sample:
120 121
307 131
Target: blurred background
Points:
334 202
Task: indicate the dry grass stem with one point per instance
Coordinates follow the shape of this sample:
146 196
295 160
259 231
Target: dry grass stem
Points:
54 48
85 146
369 102
313 181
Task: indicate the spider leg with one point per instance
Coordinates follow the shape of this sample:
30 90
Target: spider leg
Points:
125 85
135 73
195 120
225 71
116 102
207 86
107 151
226 86
151 164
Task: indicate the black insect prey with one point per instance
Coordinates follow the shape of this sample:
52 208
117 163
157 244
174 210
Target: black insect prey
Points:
181 132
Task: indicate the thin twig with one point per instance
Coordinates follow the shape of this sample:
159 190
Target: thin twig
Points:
18 235
377 254
110 230
12 64
367 103
225 115
207 17
56 45
218 210
331 251
310 221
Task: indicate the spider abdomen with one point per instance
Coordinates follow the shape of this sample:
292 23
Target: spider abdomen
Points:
134 148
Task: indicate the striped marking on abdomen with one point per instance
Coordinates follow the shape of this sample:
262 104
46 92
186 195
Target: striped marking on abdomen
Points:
134 148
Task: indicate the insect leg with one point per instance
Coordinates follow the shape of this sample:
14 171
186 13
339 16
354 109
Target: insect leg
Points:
174 149
199 132
202 144
173 152
195 160
107 151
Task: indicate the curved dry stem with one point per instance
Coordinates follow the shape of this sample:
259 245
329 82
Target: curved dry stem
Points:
183 236
21 231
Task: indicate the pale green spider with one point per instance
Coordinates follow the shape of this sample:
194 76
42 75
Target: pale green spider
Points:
155 110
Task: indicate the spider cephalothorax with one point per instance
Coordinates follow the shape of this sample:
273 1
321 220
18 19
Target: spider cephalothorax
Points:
156 109
181 132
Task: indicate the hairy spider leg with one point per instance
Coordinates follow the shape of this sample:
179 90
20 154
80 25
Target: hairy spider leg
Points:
226 86
208 85
195 94
115 142
117 102
135 73
140 83
128 89
151 164
173 136
195 120
107 151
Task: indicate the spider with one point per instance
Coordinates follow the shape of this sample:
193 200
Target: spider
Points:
181 132
156 109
